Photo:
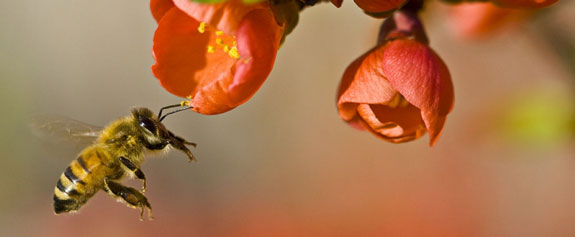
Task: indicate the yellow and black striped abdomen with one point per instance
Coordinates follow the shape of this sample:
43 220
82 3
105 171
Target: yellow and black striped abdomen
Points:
81 180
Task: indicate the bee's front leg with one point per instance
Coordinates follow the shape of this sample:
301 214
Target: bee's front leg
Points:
137 171
130 196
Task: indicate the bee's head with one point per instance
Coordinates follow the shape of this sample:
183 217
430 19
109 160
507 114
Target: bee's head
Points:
151 129
155 135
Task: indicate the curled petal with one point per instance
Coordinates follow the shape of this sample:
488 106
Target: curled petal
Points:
346 106
525 3
225 16
366 101
363 83
400 124
160 7
379 6
418 74
400 89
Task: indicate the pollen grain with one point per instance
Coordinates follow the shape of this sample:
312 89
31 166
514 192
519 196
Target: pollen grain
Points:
234 52
202 27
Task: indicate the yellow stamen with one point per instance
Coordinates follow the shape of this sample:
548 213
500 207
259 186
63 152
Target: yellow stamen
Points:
403 102
226 48
397 101
185 103
219 41
211 49
394 101
219 32
234 52
202 27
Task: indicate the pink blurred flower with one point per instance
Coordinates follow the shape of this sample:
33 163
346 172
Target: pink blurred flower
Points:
475 20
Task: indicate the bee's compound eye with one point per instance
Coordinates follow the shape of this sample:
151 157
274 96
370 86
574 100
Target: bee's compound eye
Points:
148 124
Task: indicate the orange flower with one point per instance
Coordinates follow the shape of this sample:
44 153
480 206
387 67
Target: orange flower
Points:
376 8
218 55
400 89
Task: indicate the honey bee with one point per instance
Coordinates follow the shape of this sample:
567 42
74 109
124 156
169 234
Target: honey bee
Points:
117 152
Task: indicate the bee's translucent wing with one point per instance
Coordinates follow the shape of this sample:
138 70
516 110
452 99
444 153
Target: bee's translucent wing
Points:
60 129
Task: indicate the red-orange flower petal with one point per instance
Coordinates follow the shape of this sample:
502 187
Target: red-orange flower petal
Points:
379 6
198 64
419 75
525 3
399 124
363 83
258 42
160 7
226 16
179 50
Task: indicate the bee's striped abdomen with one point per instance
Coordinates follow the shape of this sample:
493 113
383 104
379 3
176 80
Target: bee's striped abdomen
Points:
65 205
74 187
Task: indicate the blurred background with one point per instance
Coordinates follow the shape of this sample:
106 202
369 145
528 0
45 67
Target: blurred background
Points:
284 163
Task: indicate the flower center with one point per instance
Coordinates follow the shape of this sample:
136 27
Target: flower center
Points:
397 101
221 41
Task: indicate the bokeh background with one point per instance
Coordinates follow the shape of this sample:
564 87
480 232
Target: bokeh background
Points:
284 164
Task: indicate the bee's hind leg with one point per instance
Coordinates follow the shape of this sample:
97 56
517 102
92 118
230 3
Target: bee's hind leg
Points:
131 196
137 171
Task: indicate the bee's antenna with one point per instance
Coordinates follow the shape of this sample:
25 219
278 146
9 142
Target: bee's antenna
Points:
175 111
168 107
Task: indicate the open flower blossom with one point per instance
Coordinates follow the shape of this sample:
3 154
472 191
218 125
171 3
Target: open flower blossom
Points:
400 89
217 55
376 8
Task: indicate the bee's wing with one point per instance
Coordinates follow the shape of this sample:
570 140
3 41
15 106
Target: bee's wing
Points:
60 129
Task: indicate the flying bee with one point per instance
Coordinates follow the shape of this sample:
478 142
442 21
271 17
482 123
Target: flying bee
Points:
118 151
